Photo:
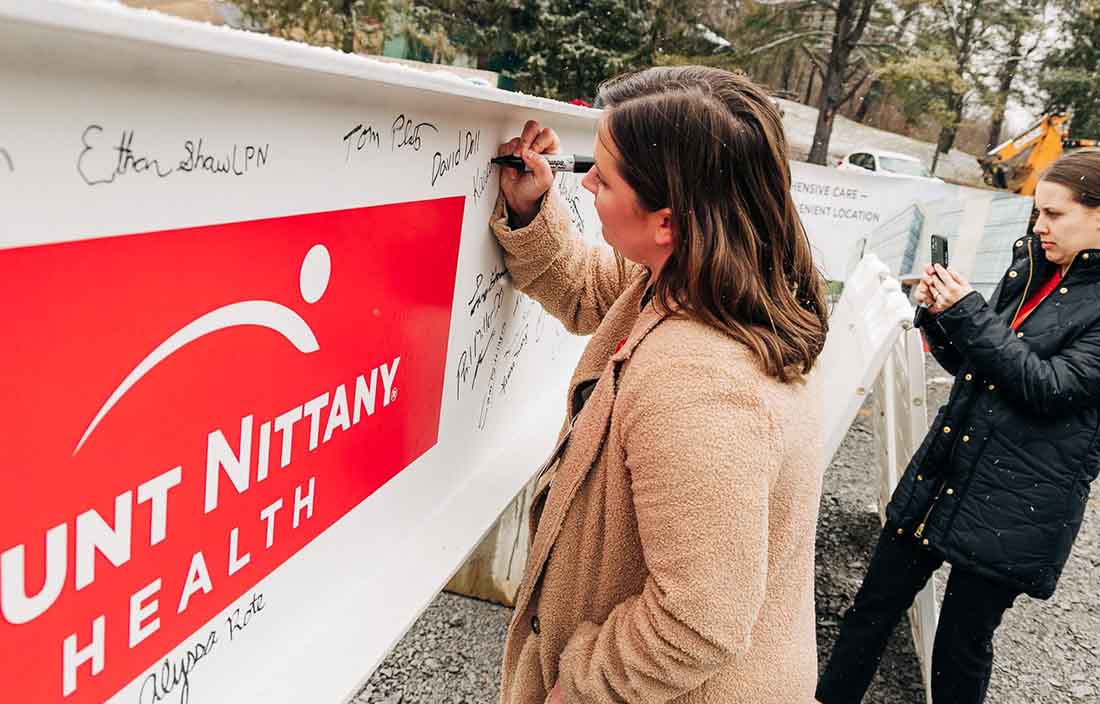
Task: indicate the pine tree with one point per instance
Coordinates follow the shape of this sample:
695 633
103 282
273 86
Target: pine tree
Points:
839 83
567 47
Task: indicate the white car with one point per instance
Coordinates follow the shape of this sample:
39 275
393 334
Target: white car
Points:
884 163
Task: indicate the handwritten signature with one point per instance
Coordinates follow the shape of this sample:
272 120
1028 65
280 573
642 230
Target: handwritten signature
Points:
196 160
567 187
487 402
508 324
238 620
174 674
480 294
404 132
367 137
472 358
128 160
481 181
469 144
519 341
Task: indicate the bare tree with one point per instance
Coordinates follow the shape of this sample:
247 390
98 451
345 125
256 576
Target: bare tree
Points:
908 11
851 18
965 28
348 11
836 40
1022 25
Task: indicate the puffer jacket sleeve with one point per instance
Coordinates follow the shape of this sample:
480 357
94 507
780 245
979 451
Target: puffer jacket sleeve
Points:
939 344
1063 383
702 452
574 282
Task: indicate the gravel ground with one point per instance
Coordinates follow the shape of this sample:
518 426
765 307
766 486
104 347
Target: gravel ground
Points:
1046 651
451 655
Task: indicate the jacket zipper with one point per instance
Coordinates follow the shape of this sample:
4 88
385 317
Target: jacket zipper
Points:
924 521
1065 273
1027 286
1071 263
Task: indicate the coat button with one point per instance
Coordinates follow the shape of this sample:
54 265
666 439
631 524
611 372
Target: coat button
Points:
1012 274
1019 334
950 492
968 376
1085 255
535 628
920 478
901 531
966 438
991 387
947 429
924 542
1019 243
1063 290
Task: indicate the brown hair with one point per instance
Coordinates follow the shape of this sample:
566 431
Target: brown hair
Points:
709 145
1079 171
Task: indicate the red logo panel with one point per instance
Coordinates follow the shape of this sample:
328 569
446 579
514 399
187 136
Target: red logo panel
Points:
185 410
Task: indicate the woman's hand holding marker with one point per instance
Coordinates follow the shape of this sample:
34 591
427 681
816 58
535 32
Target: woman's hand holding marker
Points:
523 190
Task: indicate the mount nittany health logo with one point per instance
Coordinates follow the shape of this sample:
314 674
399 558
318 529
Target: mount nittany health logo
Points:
315 272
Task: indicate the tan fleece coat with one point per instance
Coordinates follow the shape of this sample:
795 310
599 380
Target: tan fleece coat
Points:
673 559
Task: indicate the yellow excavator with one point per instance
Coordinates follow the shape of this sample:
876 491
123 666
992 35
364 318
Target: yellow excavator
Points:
1017 164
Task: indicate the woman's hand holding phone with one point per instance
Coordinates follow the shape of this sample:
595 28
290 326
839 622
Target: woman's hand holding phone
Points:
940 288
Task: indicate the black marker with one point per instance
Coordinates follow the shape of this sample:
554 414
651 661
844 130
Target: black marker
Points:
572 163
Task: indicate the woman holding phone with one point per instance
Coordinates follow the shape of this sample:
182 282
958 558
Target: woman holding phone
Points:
673 540
998 487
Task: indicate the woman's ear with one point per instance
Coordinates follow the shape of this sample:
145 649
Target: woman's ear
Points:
664 233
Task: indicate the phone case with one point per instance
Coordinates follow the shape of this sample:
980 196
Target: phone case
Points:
939 251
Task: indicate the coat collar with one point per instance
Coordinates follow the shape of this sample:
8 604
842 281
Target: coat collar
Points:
1029 264
1086 263
652 314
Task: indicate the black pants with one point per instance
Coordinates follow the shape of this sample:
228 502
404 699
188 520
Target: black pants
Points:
962 657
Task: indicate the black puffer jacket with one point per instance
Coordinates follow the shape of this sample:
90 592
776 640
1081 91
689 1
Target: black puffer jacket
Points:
1000 483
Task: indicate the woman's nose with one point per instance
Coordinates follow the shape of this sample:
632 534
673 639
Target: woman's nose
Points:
589 182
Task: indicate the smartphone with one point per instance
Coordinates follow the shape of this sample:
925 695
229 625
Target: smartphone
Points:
939 250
